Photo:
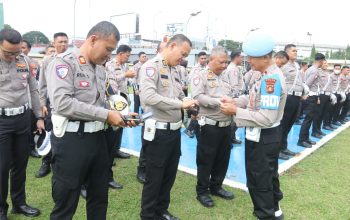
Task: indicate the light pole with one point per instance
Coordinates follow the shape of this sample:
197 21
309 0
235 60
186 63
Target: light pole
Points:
155 33
73 39
310 42
188 20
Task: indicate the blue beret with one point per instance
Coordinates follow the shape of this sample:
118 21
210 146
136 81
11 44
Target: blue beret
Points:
258 44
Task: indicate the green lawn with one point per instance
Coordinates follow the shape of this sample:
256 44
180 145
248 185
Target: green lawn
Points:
318 188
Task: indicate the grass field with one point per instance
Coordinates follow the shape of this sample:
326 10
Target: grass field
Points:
316 189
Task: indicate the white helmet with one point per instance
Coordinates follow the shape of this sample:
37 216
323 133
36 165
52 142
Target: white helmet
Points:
119 102
43 143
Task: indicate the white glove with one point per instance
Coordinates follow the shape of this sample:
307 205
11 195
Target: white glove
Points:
333 99
343 97
306 90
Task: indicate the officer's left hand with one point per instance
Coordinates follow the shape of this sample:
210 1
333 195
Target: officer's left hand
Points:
228 108
226 99
40 125
131 123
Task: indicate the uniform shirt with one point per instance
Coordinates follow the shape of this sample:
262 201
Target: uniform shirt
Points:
161 90
343 86
182 74
235 78
312 79
208 88
250 79
325 81
42 80
249 112
335 81
15 78
137 68
76 88
291 73
116 75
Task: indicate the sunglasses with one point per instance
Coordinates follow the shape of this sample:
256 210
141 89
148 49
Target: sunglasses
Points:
10 53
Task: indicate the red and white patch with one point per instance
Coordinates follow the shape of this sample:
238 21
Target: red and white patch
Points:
33 72
84 84
196 80
62 71
24 84
150 71
24 76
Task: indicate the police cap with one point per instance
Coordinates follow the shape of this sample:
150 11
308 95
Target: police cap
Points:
258 44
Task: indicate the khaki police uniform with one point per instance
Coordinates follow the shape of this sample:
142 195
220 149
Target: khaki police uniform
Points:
76 90
336 91
344 86
325 101
261 112
249 79
137 79
214 144
183 75
161 94
312 112
294 88
18 90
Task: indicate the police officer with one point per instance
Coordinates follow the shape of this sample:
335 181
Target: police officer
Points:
214 145
18 88
312 102
119 73
161 94
295 89
60 42
344 86
338 92
142 59
261 113
76 89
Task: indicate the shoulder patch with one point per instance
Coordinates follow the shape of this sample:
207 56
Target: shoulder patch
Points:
61 71
150 71
270 90
196 80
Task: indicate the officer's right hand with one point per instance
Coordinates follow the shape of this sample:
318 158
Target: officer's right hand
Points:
130 74
115 118
226 99
44 111
186 104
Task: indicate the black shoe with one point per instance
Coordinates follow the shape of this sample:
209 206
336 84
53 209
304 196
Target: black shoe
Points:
310 142
122 155
342 122
321 133
304 144
189 133
43 171
114 185
333 126
83 193
316 135
283 156
34 154
141 175
165 215
327 127
288 152
3 215
223 194
337 123
205 200
25 210
235 141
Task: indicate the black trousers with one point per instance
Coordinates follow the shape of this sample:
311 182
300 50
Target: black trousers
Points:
79 158
310 117
213 155
345 109
322 107
233 130
162 155
142 158
290 115
194 126
48 127
137 103
111 140
14 152
261 161
327 117
33 128
118 139
336 109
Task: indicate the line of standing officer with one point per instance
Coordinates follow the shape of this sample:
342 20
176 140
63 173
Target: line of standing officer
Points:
261 113
214 145
161 94
18 89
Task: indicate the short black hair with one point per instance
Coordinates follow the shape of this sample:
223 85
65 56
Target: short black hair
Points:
59 34
303 63
141 53
235 54
337 65
345 67
29 45
319 56
281 54
104 29
179 38
123 49
10 35
288 46
202 53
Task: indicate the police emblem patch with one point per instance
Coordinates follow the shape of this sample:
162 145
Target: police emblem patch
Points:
270 90
196 80
150 71
62 71
82 60
20 65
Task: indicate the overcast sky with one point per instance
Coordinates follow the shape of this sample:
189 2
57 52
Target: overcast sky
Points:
287 21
